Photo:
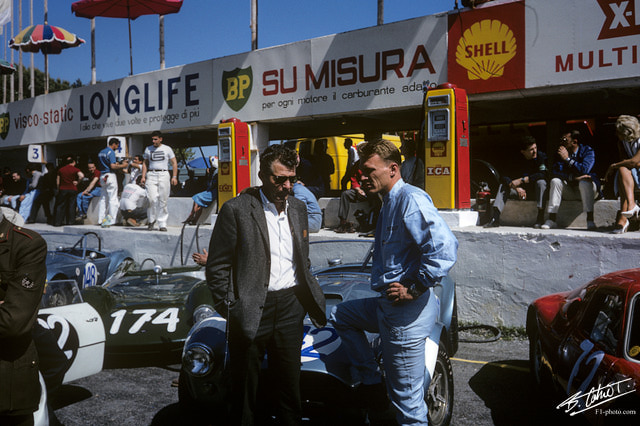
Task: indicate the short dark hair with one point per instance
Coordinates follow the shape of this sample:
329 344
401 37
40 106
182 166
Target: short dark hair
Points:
574 133
285 155
69 159
386 149
138 157
526 141
138 179
410 145
112 141
156 133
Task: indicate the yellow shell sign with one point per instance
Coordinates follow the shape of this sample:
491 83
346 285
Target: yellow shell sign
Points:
485 48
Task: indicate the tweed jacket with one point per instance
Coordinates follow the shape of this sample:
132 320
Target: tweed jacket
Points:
239 260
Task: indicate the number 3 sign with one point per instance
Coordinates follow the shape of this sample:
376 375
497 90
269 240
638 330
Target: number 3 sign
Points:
35 154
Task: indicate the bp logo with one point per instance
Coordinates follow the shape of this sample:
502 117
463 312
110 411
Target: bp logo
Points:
236 87
4 125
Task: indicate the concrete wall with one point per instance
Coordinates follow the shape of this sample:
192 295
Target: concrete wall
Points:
498 273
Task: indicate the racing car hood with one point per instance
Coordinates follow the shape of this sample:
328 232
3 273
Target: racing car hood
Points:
145 314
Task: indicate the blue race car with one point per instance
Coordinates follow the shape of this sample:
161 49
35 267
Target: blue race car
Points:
343 270
87 266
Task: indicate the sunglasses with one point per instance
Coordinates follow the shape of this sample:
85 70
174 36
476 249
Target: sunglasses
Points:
280 180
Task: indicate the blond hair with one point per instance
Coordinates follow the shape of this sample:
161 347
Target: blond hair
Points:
627 128
386 149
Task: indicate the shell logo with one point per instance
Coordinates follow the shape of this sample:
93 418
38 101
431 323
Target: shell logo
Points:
485 48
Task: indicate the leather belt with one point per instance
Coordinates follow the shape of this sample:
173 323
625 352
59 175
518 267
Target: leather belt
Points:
158 170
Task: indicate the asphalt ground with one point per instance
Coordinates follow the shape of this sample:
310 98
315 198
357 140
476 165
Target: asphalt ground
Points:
492 387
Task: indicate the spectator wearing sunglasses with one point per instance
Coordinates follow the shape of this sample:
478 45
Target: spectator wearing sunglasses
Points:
259 277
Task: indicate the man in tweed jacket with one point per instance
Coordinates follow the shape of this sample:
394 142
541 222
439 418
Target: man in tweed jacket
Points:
258 273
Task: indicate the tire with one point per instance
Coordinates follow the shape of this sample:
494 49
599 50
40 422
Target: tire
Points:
439 395
536 360
454 328
482 171
185 399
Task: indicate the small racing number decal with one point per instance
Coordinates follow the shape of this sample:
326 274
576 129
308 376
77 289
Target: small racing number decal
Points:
318 343
90 275
142 316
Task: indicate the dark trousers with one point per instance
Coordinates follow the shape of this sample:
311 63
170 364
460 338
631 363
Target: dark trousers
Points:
43 200
353 196
23 420
139 213
280 336
65 207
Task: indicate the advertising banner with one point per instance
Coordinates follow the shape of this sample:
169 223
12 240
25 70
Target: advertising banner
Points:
487 48
577 41
175 98
369 69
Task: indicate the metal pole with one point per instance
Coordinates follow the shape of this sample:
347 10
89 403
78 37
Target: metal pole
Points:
254 24
130 48
161 27
380 12
20 71
32 74
46 57
12 79
93 50
4 77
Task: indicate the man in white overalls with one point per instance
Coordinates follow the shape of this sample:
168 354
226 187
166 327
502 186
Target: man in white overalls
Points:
155 176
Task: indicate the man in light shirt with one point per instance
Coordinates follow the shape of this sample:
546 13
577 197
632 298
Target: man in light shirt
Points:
107 164
155 177
414 249
258 274
133 203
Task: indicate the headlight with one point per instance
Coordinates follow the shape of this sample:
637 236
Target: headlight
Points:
197 360
202 312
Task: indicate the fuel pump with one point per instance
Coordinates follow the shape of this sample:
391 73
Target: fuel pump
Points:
447 147
234 159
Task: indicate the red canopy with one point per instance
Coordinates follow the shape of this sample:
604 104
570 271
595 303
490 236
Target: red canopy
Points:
130 9
124 8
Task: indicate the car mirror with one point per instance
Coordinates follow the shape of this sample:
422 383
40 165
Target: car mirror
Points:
334 262
157 269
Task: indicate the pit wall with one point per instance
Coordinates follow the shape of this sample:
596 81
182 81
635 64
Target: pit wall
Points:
498 273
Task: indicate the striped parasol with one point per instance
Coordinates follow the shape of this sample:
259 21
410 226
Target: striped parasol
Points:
44 38
6 67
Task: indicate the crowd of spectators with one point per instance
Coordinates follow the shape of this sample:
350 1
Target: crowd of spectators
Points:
568 174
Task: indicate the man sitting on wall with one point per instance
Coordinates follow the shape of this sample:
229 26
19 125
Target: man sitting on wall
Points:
532 169
572 178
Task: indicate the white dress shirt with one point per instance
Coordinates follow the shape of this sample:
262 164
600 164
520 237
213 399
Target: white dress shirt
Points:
283 273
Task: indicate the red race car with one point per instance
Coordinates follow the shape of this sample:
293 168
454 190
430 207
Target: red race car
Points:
585 344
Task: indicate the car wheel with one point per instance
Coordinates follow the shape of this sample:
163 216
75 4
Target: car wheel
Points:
185 399
454 328
439 396
537 359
